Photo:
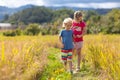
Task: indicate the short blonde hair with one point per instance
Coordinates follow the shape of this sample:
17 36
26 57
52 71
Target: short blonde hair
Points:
66 20
77 14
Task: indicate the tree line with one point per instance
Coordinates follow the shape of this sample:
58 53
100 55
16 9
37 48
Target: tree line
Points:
51 20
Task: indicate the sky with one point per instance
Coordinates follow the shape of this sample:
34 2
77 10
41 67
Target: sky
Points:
68 3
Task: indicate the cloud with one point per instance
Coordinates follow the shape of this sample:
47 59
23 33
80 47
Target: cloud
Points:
17 3
105 5
69 3
91 5
77 1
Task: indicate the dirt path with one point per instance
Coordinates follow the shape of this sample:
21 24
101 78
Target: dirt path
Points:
86 72
83 76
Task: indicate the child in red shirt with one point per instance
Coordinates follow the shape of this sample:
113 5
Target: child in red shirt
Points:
78 28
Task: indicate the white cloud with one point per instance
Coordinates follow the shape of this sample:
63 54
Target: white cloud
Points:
92 5
105 5
17 3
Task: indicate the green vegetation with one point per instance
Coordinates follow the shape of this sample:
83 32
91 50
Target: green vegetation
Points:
32 29
54 70
16 32
51 20
106 24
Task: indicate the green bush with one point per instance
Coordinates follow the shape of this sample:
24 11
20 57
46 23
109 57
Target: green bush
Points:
9 33
32 29
16 32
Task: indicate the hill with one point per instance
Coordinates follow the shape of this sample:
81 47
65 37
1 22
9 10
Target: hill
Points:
9 11
99 10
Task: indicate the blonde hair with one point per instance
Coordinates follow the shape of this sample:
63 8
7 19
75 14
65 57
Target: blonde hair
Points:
77 14
66 20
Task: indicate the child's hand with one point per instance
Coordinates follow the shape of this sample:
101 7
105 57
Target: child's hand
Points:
75 46
74 36
79 36
62 45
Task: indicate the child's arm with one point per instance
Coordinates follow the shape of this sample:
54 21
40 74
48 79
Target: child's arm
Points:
60 39
73 37
83 33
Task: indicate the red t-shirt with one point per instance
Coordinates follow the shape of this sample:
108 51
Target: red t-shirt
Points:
78 29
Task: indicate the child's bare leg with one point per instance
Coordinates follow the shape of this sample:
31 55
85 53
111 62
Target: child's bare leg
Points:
70 61
65 65
78 51
70 65
73 51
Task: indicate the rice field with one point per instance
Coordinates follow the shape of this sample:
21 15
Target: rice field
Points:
31 58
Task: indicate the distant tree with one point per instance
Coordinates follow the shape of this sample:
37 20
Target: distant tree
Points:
94 24
62 13
90 13
111 22
32 15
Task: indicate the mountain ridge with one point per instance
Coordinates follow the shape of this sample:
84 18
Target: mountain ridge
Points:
9 11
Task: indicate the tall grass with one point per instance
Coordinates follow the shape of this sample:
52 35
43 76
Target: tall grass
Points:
26 57
23 57
103 51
